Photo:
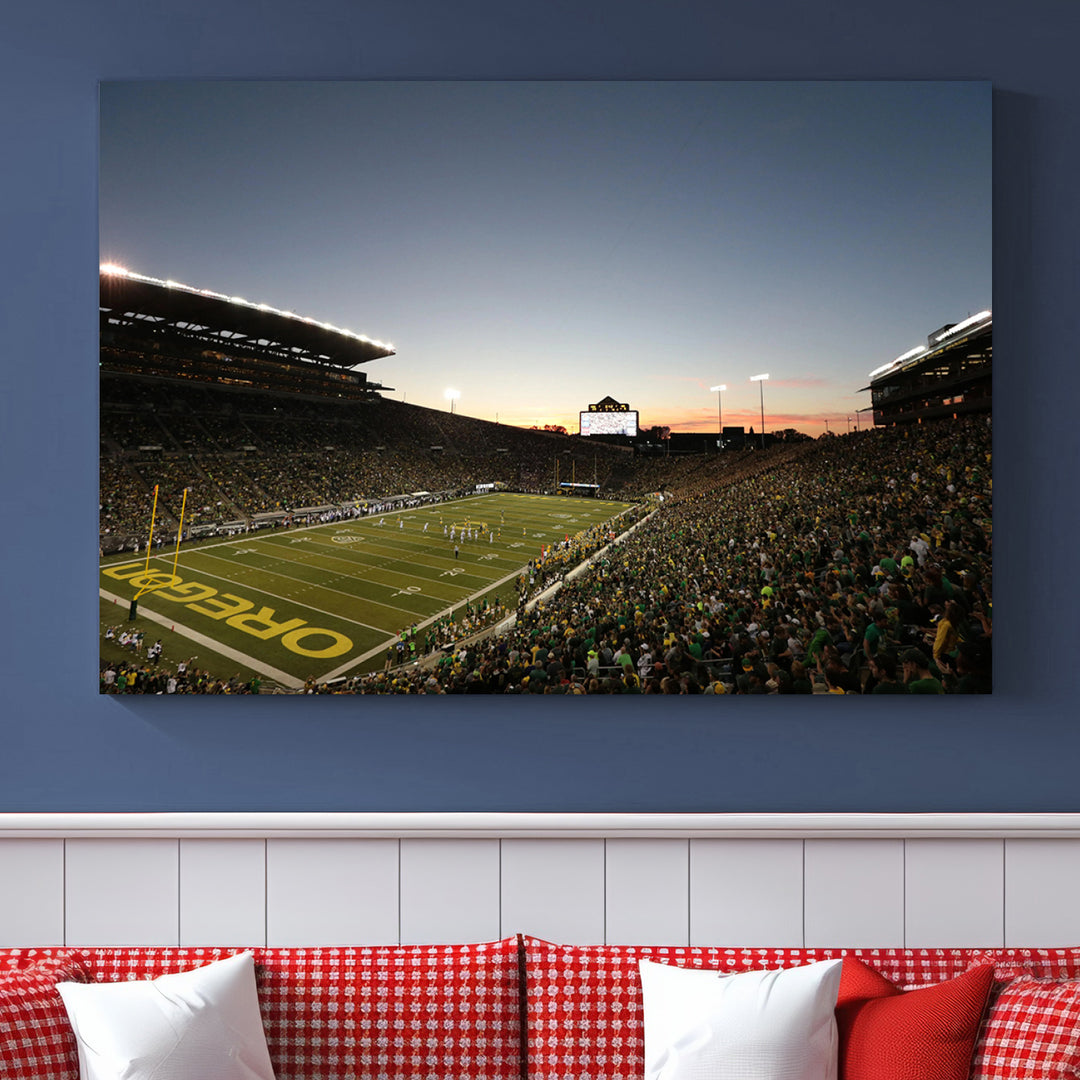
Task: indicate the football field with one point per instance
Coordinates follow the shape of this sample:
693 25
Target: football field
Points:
327 600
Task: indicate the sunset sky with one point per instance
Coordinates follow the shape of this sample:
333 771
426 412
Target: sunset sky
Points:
539 246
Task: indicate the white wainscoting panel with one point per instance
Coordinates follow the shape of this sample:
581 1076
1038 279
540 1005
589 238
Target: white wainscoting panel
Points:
915 880
746 892
222 892
647 886
449 891
554 889
854 893
954 893
1042 892
32 892
332 892
122 892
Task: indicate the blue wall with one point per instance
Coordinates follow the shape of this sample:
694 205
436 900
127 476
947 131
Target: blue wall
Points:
64 748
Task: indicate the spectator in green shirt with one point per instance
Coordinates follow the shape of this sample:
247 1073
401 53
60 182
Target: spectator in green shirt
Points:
883 670
917 674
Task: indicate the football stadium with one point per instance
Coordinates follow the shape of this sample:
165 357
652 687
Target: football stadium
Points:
271 521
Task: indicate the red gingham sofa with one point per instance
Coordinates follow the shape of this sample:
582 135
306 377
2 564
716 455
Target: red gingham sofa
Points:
584 1016
443 1012
515 1009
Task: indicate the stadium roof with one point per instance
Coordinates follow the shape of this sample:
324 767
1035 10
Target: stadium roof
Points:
134 300
940 341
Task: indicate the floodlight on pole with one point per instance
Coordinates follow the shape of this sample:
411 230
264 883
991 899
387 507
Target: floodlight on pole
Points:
452 396
718 390
760 380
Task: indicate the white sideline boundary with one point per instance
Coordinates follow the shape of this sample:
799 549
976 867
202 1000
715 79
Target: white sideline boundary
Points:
270 672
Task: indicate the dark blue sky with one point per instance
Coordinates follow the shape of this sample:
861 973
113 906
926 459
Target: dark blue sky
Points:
537 246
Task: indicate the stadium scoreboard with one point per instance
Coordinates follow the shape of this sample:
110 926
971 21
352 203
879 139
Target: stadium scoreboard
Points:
609 417
609 423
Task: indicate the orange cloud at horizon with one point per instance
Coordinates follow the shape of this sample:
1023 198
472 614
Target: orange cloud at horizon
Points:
704 420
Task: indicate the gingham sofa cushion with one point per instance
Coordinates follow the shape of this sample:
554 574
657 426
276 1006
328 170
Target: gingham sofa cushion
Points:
585 1019
394 1013
1032 1032
14 959
1035 963
36 1039
407 1012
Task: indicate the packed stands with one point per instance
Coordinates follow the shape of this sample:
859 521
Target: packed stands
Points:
241 454
825 567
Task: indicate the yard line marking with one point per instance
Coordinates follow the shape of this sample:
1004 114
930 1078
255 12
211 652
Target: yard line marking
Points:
266 592
425 552
305 528
270 672
312 585
349 664
319 585
360 563
259 534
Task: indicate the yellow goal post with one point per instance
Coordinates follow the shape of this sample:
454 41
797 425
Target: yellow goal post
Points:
159 578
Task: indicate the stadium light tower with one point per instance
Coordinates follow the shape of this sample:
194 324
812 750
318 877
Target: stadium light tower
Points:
718 390
760 380
452 396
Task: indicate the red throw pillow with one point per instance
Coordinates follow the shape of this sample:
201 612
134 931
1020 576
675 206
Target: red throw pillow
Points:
36 1038
926 1034
1032 1031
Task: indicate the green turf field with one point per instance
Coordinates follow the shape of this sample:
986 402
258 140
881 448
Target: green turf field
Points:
327 600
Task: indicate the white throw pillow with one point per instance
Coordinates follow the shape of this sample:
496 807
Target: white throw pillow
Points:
198 1025
756 1025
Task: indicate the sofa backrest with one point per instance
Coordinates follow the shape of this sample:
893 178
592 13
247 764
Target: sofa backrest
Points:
402 1012
585 1019
419 1012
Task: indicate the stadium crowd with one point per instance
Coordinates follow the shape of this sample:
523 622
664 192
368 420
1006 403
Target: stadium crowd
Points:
143 671
133 677
239 455
842 566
